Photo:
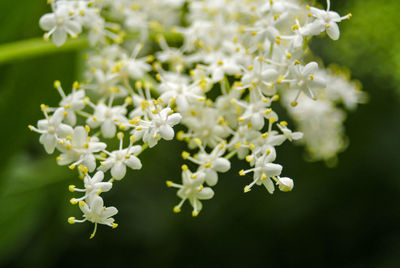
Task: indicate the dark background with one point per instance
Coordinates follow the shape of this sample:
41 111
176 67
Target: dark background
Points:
346 216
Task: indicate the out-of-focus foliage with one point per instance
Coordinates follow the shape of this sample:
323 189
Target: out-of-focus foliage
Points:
348 216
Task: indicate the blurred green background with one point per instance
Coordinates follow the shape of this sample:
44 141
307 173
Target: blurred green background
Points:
346 216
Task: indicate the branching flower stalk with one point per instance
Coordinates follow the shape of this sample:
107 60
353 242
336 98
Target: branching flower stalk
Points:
238 61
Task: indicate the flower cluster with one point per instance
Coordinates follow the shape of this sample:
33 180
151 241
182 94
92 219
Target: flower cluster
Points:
238 61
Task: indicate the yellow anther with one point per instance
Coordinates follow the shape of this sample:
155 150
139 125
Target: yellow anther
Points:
86 100
272 120
169 183
268 111
71 188
86 146
185 155
296 62
71 220
138 84
193 176
208 165
250 67
43 107
132 138
278 42
349 15
68 146
276 16
87 128
114 225
180 135
128 100
58 159
263 177
195 213
241 119
311 77
241 172
99 191
201 187
238 145
265 135
252 146
254 33
81 203
280 79
275 98
177 209
283 123
127 156
57 84
83 169
295 27
185 167
309 15
293 103
150 59
247 189
197 141
249 158
327 25
76 85
73 201
72 167
288 56
120 135
30 127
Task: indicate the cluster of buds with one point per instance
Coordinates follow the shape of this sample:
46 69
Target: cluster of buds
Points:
239 60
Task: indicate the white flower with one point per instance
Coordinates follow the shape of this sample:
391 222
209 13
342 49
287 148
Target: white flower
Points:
288 133
306 81
108 118
72 103
52 129
159 126
192 189
79 148
263 173
94 211
59 24
324 20
119 159
210 163
93 185
285 184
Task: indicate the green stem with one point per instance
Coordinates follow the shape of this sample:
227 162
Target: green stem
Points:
36 47
230 155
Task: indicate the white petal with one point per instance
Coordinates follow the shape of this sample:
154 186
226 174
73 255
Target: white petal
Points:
333 31
47 21
211 177
108 128
118 171
167 132
133 162
98 177
59 37
206 193
174 119
269 185
221 164
310 68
